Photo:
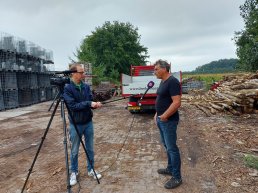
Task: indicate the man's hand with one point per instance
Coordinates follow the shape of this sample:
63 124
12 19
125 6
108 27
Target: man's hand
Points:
155 118
96 104
163 117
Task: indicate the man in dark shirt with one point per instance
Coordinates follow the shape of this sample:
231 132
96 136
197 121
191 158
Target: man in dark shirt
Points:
166 118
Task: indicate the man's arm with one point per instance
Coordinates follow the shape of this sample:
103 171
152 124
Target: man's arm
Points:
155 118
172 108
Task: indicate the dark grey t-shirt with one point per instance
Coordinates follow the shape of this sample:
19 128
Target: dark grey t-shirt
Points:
167 89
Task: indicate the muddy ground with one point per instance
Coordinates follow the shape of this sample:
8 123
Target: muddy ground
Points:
128 152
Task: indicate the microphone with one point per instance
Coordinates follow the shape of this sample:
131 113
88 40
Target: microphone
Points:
66 72
149 85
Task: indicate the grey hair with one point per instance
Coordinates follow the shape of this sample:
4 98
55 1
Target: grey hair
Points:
74 66
163 64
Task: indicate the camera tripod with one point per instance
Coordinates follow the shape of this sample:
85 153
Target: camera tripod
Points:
60 98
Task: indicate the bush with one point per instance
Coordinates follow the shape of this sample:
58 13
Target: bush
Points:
251 161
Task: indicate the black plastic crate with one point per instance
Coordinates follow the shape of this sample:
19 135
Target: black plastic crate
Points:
1 101
24 97
54 91
41 82
42 94
33 80
35 95
9 80
2 59
8 61
23 81
1 87
32 64
22 61
10 99
49 93
44 80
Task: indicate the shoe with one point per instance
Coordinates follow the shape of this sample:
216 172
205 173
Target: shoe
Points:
91 173
73 178
173 183
164 171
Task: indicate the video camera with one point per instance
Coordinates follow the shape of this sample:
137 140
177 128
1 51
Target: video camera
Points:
62 79
59 80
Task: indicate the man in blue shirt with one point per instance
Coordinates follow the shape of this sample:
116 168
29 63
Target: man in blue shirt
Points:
166 118
79 99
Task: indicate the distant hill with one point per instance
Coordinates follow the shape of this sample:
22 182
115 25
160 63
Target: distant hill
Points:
220 66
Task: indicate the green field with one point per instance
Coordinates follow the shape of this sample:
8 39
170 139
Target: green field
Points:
207 78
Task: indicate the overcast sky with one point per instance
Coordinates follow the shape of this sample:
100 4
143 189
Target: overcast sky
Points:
187 33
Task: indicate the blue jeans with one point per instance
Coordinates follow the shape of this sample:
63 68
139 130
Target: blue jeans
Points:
168 138
87 131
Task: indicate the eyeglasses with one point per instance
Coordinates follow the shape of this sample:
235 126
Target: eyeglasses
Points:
81 72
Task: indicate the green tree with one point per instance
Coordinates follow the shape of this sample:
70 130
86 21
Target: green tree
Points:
219 66
112 48
247 39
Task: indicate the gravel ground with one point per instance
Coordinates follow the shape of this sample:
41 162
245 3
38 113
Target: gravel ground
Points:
128 152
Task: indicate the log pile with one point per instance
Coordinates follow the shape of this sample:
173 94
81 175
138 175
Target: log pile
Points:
237 94
101 95
102 92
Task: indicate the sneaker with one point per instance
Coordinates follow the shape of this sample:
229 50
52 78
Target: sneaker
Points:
173 183
73 178
91 173
164 171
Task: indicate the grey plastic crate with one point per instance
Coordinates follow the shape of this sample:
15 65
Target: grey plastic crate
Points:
8 43
22 47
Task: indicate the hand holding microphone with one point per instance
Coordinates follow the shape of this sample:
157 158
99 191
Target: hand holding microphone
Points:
96 104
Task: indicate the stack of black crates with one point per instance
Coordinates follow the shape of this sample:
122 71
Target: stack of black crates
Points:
24 73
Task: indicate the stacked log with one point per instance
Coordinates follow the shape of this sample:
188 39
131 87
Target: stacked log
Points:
101 95
237 94
102 92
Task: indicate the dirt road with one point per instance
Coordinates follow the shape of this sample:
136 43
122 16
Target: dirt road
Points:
128 152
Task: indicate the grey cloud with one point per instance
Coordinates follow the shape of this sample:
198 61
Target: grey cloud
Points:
189 33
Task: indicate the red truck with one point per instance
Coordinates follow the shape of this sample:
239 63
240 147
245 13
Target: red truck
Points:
135 85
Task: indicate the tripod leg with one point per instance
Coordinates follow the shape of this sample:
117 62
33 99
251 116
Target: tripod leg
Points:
41 143
65 146
57 96
77 131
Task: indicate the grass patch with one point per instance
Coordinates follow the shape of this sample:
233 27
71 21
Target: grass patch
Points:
209 79
251 161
